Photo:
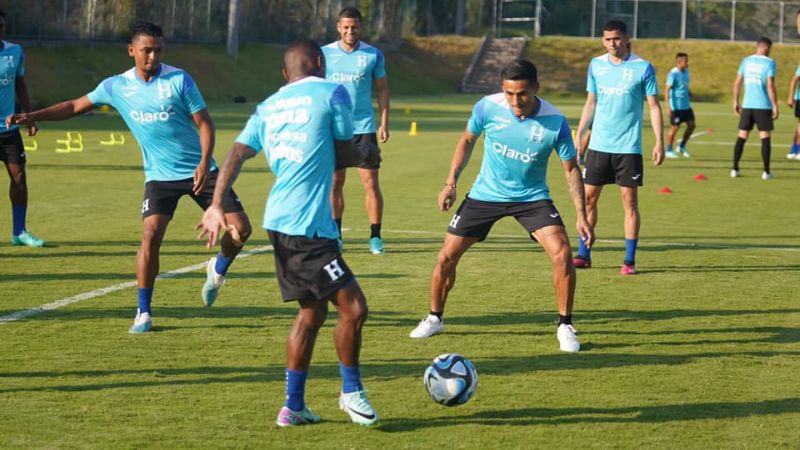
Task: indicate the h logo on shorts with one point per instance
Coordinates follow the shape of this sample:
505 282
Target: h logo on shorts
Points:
454 222
145 205
334 270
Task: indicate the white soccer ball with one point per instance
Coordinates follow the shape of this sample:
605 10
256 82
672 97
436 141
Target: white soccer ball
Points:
451 379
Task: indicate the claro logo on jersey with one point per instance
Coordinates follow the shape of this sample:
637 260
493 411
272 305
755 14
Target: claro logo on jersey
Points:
613 90
340 77
152 117
510 153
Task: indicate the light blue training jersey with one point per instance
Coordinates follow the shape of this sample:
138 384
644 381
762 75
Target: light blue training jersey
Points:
515 152
12 65
159 114
621 90
356 71
678 82
296 127
756 70
797 87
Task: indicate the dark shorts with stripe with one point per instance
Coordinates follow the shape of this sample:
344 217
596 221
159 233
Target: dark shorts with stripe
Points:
475 218
762 118
797 108
308 268
12 150
161 197
680 116
623 169
366 153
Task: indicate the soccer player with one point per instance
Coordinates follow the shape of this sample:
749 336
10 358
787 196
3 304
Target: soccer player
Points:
522 130
358 66
676 99
617 85
12 150
794 102
164 109
760 105
298 129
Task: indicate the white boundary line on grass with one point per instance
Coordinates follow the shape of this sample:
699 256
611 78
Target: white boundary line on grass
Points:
109 289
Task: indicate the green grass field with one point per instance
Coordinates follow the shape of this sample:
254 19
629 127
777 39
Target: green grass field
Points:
700 350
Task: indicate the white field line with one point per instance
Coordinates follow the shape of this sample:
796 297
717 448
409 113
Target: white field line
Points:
117 287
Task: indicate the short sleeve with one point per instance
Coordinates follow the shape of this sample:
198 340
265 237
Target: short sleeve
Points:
252 133
741 68
564 145
102 94
191 95
342 114
591 85
21 65
649 80
797 71
671 78
476 120
772 69
379 71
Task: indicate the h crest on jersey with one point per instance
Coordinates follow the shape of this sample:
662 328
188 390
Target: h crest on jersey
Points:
164 89
9 60
536 134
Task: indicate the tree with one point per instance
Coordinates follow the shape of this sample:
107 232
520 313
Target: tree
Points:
233 29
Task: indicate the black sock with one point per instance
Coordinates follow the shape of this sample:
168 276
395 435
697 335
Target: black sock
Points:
766 151
339 225
738 149
684 141
375 230
567 320
437 314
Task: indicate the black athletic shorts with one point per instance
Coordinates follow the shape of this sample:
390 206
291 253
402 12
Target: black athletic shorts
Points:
308 269
12 150
161 197
797 108
681 115
623 169
475 218
367 154
762 118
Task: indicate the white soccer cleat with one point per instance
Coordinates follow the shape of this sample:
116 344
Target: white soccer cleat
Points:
567 339
428 327
214 281
141 324
358 407
671 155
684 153
766 176
734 173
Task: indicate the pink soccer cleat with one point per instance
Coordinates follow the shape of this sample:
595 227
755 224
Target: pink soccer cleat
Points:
581 263
627 269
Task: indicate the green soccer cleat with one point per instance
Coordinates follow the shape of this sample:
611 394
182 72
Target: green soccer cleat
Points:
356 405
26 238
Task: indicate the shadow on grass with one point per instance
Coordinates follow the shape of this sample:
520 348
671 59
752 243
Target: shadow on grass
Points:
631 414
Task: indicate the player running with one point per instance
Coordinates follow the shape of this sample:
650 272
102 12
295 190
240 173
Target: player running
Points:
618 83
12 150
676 99
522 130
760 105
297 129
794 102
358 66
164 110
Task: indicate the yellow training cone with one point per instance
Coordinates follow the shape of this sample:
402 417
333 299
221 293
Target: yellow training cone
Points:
413 130
407 110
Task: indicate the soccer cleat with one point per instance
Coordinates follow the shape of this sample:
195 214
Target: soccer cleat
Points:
214 281
581 263
766 176
671 155
26 238
289 418
428 327
627 269
356 405
734 173
791 155
376 246
567 340
684 153
141 324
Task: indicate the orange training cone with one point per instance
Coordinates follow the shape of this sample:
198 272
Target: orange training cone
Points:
700 177
665 190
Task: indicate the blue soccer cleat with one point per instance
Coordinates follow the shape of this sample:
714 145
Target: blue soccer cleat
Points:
289 418
376 246
141 324
26 238
214 281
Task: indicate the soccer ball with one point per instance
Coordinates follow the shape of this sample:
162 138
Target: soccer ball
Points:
450 380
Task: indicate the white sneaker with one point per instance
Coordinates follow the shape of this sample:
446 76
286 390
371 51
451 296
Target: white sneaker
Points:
141 324
684 153
214 281
734 173
671 155
428 327
567 339
791 155
766 176
358 407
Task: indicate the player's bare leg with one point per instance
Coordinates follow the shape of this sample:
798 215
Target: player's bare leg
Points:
673 131
584 258
147 265
630 205
337 195
303 335
231 243
352 308
373 203
555 243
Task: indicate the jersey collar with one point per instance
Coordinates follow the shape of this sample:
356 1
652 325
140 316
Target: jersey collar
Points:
147 83
339 46
531 116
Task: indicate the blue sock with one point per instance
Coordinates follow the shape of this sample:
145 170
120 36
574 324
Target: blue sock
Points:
669 147
583 252
144 296
351 378
18 213
630 251
795 148
221 267
295 389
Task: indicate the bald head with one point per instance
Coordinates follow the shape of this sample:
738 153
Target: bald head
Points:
301 59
